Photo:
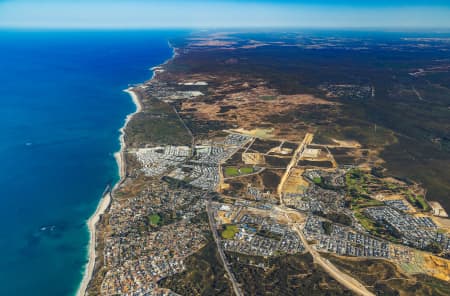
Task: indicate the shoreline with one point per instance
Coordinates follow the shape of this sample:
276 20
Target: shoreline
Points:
105 201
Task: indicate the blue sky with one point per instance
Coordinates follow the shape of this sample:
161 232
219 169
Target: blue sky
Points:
132 14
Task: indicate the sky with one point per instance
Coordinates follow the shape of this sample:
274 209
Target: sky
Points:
142 14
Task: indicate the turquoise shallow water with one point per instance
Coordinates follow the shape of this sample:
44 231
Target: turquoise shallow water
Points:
61 105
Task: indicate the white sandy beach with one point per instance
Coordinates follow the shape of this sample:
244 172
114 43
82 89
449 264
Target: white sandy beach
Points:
106 199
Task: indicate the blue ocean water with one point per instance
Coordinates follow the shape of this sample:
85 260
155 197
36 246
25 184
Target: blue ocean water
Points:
61 105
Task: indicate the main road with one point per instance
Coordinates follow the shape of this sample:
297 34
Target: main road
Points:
295 158
344 279
212 225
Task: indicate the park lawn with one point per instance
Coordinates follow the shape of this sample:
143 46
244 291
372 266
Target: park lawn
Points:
317 180
423 204
229 232
356 182
375 229
154 219
417 201
231 171
246 170
361 203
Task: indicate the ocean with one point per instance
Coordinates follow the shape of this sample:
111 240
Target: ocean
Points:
61 107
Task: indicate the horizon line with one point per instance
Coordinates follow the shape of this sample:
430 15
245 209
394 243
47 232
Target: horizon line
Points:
221 28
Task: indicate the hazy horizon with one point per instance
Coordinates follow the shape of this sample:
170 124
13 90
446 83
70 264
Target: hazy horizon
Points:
139 14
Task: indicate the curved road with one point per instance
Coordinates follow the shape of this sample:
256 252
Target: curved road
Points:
344 279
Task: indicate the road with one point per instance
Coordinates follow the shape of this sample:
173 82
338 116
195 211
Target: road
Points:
212 225
344 279
186 127
295 158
